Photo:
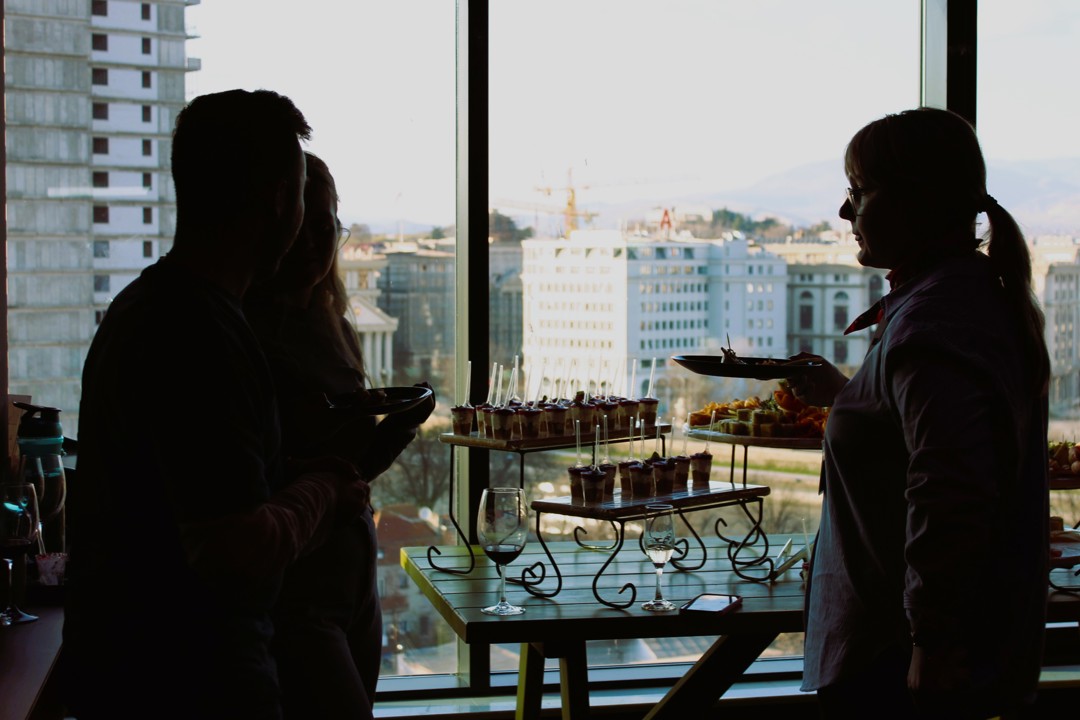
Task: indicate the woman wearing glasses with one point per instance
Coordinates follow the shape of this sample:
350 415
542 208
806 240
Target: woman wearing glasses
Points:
328 625
928 590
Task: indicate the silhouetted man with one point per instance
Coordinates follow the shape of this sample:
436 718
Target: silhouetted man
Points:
178 527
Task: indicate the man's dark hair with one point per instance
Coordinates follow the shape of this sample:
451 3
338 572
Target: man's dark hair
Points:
230 146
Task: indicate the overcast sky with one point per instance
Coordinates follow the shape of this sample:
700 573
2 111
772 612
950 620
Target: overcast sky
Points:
640 98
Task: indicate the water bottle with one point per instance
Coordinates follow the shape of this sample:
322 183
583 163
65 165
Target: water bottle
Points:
41 452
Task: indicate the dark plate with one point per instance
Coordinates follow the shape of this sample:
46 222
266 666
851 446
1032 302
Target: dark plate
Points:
394 400
751 367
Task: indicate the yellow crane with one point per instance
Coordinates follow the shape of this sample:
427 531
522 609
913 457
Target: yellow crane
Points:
570 212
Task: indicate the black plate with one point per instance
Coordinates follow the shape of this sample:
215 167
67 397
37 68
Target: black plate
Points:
751 367
394 400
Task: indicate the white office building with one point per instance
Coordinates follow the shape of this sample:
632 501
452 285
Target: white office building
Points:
827 289
93 89
1055 271
603 305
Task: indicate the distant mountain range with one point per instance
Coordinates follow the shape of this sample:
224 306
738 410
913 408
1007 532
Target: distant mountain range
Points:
1043 195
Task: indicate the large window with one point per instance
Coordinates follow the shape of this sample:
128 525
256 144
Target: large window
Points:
1028 132
699 126
710 130
376 82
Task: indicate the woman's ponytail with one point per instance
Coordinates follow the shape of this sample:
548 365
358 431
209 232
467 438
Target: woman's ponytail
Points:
1009 255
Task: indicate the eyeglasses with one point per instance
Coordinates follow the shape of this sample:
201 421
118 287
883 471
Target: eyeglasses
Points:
855 195
344 234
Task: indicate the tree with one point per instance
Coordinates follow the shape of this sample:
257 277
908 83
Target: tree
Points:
502 228
360 232
437 233
421 475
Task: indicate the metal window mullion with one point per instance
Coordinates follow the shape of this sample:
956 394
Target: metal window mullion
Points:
471 292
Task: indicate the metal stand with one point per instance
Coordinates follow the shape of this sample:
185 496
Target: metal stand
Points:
461 535
532 576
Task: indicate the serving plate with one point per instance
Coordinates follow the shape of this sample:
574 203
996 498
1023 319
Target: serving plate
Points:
379 401
751 367
790 443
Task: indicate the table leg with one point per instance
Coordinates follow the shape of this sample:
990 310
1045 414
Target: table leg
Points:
574 682
573 679
530 682
711 676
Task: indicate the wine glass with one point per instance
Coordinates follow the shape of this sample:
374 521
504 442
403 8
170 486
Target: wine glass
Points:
19 527
659 545
502 527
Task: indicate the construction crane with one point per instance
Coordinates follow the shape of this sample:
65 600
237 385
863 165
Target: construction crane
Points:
570 212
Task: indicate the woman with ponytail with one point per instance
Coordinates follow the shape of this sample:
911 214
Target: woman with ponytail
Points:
929 577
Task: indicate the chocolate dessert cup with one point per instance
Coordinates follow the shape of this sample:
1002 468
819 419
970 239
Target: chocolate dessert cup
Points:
641 481
609 470
682 472
663 476
700 467
647 410
462 417
529 422
576 472
592 486
502 420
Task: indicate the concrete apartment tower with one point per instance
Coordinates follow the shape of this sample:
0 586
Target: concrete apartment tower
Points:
92 91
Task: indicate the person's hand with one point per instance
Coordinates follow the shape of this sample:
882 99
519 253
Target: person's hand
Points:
819 386
393 435
939 677
353 493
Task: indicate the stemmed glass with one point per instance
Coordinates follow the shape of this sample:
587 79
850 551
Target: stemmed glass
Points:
502 527
659 545
19 527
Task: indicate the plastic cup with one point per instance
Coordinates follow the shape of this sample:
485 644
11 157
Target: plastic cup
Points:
700 467
641 481
529 420
502 420
51 567
576 471
556 421
592 486
462 418
682 472
624 479
663 476
609 470
483 420
647 410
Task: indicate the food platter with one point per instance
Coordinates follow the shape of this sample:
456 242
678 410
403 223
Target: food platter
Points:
790 443
379 401
751 367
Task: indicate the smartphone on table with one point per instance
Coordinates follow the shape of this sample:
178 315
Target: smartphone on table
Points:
711 603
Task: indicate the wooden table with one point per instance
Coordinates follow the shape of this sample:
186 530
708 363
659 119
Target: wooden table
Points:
559 627
27 655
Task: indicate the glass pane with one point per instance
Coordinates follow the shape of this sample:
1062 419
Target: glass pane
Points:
1027 128
668 182
90 201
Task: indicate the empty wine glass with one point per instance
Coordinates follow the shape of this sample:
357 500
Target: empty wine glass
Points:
659 545
19 527
502 527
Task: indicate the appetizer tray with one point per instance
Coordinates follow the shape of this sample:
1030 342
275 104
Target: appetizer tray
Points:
517 444
750 367
792 443
634 508
1064 481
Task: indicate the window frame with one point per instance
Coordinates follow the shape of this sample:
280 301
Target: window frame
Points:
947 79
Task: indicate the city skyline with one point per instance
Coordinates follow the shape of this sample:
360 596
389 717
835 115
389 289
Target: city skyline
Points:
704 97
